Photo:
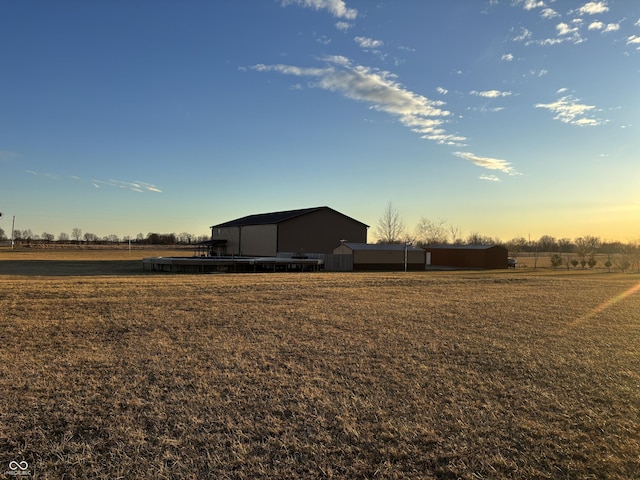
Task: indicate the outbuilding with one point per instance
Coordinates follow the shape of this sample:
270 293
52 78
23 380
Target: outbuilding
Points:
379 256
467 256
288 233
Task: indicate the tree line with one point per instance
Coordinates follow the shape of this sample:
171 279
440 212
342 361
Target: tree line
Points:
77 236
567 252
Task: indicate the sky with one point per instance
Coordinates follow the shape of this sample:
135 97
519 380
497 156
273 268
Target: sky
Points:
507 118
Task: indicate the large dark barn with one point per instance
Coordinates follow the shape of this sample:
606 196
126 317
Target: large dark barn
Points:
291 232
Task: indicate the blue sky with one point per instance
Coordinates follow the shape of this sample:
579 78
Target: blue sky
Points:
504 117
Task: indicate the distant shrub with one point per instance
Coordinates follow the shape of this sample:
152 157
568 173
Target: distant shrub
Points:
556 260
623 264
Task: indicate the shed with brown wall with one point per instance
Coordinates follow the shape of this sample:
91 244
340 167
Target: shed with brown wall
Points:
467 256
376 256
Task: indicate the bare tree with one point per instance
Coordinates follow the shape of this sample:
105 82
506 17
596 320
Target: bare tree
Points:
76 234
564 244
628 257
431 232
90 237
455 234
516 245
475 238
586 248
536 248
390 227
186 238
547 243
634 248
63 237
622 261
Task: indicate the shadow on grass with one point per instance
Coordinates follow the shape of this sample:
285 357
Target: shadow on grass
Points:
55 268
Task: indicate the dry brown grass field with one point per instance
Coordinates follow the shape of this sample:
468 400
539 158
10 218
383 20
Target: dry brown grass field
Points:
80 261
107 372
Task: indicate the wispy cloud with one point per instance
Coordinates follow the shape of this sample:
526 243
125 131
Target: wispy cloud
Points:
565 33
524 35
609 27
531 4
489 178
549 13
343 26
366 42
373 46
52 176
336 7
634 40
381 91
593 8
135 186
485 109
568 109
488 162
507 57
538 73
490 93
564 29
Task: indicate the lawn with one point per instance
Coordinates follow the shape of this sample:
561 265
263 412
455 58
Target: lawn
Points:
319 375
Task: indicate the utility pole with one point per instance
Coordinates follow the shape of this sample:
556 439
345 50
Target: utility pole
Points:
406 254
13 224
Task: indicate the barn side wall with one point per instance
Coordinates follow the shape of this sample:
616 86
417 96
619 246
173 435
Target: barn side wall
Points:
249 240
231 235
319 232
493 257
259 240
388 260
338 263
497 257
457 258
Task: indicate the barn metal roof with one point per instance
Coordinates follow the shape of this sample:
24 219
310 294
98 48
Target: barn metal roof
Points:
380 246
461 247
275 217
